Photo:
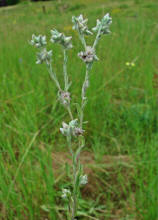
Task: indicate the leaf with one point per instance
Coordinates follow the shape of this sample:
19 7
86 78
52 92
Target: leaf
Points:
45 208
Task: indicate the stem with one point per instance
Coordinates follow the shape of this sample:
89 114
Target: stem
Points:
70 145
74 197
66 80
83 101
74 205
76 156
76 181
97 38
70 112
81 36
53 76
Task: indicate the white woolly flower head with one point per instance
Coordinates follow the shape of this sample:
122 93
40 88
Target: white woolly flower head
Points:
71 129
38 41
89 55
44 56
65 193
64 98
80 25
60 38
103 25
83 180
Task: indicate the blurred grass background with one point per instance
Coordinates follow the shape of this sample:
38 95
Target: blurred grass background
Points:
121 111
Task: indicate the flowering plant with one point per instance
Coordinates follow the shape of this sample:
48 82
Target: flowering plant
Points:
74 128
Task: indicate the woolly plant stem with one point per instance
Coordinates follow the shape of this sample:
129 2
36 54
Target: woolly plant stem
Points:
83 95
82 39
53 76
97 38
66 80
75 185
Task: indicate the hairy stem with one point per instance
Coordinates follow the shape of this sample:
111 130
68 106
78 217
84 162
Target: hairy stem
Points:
97 38
70 112
74 205
53 76
74 195
82 39
66 80
83 94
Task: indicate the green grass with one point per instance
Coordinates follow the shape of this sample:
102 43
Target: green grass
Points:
122 110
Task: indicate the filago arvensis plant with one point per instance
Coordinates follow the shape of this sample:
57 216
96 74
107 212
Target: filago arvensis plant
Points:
73 130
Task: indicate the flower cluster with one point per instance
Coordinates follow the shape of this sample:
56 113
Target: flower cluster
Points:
64 98
89 55
71 129
38 41
83 180
66 193
103 25
60 38
44 56
81 25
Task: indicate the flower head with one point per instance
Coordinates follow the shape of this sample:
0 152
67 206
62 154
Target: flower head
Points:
60 38
64 98
83 180
78 131
65 193
71 129
38 41
89 55
103 25
44 56
80 25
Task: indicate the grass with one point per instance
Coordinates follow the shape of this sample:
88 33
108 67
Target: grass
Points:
122 112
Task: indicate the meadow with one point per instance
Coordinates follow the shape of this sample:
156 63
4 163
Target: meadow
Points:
122 131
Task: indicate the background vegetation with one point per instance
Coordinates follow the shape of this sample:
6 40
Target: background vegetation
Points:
122 130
